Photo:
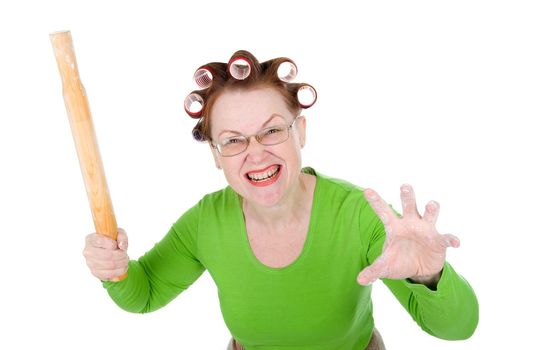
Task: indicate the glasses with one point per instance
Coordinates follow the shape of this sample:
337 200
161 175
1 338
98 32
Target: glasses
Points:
273 135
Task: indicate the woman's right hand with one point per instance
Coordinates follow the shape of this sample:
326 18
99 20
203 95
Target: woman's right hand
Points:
107 258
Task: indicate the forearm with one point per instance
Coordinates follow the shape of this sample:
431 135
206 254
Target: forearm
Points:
157 277
449 312
131 294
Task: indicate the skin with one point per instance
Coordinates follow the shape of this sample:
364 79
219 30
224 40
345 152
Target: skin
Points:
107 259
246 112
413 249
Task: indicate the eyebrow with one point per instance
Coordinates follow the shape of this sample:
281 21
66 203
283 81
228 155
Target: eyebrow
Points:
274 115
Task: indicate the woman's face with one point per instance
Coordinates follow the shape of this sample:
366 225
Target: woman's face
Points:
261 174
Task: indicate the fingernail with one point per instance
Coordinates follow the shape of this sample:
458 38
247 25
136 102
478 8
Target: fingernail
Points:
362 282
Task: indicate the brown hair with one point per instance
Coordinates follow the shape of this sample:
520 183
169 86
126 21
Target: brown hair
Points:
263 74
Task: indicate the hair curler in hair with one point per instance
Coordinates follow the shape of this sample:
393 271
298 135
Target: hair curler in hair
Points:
203 77
245 71
306 95
197 135
287 71
239 67
193 105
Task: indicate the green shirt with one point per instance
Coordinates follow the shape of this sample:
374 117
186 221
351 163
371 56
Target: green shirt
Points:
314 303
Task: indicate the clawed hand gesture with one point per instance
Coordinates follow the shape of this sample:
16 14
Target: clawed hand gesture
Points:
413 247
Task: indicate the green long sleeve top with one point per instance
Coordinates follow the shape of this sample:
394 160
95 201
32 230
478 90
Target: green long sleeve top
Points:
314 303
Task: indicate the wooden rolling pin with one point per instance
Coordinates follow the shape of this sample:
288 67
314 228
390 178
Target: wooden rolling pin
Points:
81 124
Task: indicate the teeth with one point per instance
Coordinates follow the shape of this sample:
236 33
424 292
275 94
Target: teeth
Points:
265 175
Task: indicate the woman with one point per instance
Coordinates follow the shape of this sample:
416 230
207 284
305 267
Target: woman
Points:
292 252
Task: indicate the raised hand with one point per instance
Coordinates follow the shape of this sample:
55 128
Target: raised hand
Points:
413 247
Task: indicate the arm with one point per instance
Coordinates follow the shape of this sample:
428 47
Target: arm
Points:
162 273
450 312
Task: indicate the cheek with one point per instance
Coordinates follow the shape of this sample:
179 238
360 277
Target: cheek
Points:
295 147
231 167
291 156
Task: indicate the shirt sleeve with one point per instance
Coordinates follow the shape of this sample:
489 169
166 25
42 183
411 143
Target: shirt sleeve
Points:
163 272
449 312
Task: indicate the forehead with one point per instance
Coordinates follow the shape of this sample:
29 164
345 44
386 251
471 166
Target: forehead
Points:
246 110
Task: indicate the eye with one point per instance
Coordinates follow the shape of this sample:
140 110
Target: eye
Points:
273 130
232 141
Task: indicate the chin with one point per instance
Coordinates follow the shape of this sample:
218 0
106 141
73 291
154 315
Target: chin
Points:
266 201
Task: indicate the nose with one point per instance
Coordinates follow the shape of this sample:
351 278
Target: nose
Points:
255 150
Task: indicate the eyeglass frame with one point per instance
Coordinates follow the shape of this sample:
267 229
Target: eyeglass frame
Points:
256 135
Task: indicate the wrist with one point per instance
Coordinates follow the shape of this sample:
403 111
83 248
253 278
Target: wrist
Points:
431 281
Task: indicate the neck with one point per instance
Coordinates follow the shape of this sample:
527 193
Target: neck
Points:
293 208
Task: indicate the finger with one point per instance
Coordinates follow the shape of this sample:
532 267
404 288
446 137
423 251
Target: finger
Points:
122 239
381 208
448 240
94 253
431 212
101 241
372 272
107 264
409 207
102 264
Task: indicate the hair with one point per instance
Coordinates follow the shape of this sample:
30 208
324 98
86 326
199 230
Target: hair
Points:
263 74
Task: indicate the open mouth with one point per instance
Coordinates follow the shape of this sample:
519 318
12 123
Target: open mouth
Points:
264 175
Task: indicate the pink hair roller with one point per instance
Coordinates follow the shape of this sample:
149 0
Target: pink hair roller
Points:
287 71
306 96
203 77
239 68
193 105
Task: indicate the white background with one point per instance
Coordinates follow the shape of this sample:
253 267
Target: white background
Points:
439 95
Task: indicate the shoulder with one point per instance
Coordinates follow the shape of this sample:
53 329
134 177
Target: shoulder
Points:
214 206
334 186
209 209
219 199
340 198
345 203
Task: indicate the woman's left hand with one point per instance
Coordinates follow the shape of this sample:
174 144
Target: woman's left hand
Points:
413 247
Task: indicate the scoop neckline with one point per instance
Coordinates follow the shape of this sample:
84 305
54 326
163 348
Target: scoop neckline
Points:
309 235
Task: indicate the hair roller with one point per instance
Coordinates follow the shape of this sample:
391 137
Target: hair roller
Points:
306 95
244 71
286 70
239 67
203 77
282 68
242 65
194 104
197 135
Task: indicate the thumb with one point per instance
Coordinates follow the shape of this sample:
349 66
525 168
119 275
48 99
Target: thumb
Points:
122 239
373 272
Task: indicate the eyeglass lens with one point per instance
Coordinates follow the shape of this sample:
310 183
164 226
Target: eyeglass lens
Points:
268 137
